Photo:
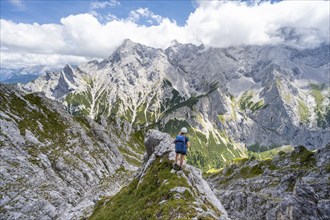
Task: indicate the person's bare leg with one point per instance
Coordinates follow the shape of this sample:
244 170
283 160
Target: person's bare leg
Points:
176 158
181 160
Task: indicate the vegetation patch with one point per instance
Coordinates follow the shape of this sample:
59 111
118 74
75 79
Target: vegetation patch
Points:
151 198
211 172
303 111
287 97
246 102
221 118
93 99
132 160
40 120
270 153
327 167
268 163
136 142
229 171
239 161
250 172
322 112
316 93
304 156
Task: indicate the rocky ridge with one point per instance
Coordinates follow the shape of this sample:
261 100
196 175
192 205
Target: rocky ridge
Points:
160 192
294 185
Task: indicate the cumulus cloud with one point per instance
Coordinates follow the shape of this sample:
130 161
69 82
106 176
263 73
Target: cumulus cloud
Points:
152 18
103 4
95 6
222 24
80 37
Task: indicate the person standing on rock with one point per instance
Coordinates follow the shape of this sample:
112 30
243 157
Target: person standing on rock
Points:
181 146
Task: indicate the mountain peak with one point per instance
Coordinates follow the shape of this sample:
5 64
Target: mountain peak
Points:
125 47
127 43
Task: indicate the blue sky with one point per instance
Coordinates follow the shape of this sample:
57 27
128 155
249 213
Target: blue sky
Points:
71 31
51 11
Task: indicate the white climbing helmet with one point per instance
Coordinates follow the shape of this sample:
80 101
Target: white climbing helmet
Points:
184 130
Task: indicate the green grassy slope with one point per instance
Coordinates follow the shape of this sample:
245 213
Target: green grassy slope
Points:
152 197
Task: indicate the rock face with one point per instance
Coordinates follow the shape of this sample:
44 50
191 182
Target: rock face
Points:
293 185
229 98
54 166
160 192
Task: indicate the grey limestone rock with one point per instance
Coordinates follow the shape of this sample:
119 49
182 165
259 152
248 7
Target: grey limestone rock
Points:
51 166
291 186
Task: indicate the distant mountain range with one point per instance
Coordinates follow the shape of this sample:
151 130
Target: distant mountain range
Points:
233 100
24 74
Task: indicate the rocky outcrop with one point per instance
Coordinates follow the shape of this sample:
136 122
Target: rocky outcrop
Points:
291 186
160 192
54 166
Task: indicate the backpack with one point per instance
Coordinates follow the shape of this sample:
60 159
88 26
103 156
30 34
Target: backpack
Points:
180 143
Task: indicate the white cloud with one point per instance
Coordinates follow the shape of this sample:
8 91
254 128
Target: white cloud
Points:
22 59
152 18
223 24
104 4
217 24
95 6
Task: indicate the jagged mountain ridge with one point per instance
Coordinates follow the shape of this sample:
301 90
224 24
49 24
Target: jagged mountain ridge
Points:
55 166
257 97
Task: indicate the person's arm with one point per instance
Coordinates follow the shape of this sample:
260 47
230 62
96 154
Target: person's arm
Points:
188 144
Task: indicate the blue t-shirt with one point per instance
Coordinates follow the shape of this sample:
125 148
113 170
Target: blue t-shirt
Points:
180 145
186 140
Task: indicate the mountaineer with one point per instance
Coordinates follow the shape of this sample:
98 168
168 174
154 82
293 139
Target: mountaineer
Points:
181 146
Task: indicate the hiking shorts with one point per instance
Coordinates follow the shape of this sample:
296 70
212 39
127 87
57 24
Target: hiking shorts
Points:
181 150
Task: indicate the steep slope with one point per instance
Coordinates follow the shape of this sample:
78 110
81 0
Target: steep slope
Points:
231 99
159 192
54 166
293 185
271 94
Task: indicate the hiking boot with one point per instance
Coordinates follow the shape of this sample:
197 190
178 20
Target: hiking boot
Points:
176 166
